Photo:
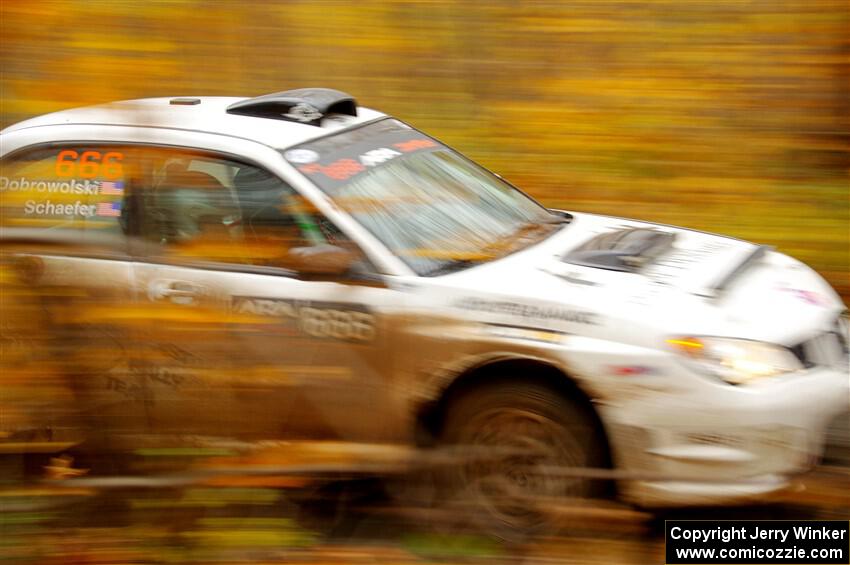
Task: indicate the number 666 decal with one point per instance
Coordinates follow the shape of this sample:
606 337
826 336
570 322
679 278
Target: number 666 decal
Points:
90 164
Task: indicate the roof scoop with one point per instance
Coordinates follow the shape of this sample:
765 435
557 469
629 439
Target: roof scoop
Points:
304 105
623 250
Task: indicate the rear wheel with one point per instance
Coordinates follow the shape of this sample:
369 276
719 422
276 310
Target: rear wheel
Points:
520 447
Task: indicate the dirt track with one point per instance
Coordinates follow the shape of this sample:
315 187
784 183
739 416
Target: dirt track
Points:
245 523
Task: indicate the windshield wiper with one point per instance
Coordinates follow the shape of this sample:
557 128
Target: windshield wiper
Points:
450 266
503 246
524 230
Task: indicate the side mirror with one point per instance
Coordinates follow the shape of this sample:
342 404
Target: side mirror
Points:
325 260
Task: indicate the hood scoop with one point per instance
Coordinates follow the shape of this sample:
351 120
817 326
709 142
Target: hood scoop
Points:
624 250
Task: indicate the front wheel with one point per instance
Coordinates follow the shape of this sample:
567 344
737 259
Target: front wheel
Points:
522 448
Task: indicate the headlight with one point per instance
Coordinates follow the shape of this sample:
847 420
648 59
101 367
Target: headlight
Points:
736 361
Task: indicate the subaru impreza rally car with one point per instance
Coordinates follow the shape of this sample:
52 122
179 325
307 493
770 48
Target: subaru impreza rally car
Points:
371 284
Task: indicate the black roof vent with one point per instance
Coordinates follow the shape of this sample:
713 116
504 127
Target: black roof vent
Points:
304 105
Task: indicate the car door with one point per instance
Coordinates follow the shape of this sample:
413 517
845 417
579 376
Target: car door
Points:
255 341
65 219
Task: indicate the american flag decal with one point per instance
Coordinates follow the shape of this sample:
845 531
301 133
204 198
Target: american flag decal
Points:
109 209
112 188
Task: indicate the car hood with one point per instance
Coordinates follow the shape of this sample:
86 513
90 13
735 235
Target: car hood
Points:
634 281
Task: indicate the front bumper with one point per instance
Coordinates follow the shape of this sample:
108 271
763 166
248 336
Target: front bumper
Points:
670 494
724 444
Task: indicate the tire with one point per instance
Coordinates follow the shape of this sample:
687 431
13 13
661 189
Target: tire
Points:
510 437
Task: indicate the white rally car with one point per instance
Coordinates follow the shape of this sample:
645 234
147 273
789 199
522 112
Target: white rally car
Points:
411 296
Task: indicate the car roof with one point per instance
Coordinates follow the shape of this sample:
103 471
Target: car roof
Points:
209 114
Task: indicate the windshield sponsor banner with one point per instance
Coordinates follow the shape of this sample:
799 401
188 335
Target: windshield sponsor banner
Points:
333 161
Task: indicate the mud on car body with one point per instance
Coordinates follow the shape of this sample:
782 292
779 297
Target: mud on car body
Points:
301 267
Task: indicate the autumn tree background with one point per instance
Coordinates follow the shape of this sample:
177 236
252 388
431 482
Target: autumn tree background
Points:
723 115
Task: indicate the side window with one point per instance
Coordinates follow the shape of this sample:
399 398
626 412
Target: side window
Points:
199 207
79 188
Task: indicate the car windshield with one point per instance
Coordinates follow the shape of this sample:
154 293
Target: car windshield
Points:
429 205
